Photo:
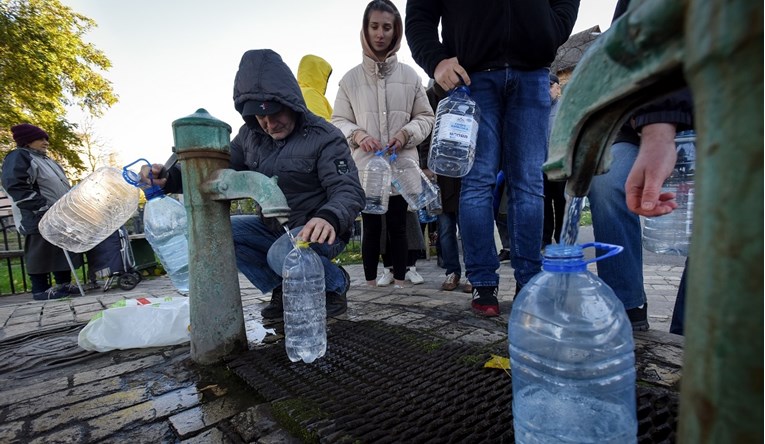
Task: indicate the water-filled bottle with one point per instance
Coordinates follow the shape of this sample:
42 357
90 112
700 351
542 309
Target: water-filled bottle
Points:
571 355
409 180
375 179
166 229
431 211
671 233
90 212
305 313
452 149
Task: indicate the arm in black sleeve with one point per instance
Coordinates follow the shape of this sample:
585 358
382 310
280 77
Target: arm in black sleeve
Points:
421 29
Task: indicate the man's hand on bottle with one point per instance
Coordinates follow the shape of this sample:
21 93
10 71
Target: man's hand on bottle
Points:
318 230
450 74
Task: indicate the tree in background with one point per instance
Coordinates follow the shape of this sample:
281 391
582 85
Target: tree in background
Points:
46 66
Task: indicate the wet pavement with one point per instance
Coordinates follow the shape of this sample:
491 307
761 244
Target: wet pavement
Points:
53 391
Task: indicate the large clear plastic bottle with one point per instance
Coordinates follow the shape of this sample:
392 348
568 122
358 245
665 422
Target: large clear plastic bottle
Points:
430 212
671 233
452 148
90 212
305 313
375 179
166 229
409 180
571 355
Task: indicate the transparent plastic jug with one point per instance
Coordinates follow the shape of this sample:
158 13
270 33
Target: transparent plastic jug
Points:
305 312
411 182
452 147
572 355
90 212
376 181
671 233
166 229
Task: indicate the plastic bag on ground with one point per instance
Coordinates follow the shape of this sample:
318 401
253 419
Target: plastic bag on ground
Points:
138 323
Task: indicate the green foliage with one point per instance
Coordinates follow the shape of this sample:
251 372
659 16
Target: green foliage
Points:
45 67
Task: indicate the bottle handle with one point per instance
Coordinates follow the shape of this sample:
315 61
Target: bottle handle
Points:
613 250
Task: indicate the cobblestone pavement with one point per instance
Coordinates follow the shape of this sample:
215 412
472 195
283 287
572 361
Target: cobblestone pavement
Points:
53 391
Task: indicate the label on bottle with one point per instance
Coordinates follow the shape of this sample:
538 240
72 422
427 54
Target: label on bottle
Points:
455 128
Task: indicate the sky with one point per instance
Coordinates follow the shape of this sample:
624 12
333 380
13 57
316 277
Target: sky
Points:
172 57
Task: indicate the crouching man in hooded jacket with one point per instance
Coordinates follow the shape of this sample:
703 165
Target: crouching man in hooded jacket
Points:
281 137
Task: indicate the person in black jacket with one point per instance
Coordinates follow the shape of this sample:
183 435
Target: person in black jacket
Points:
502 50
650 134
316 173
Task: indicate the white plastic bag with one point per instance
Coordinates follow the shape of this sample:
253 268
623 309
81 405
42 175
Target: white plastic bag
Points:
138 323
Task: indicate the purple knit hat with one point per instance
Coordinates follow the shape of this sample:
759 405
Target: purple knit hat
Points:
25 133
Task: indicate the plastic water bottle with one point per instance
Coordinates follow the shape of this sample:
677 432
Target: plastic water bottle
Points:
431 211
571 355
452 149
375 179
671 233
305 313
409 180
166 229
90 212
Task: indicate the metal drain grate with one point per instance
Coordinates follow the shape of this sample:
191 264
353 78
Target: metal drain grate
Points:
383 383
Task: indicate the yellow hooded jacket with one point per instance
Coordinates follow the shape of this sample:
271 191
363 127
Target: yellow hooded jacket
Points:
312 76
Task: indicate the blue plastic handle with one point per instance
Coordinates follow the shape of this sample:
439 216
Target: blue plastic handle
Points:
613 250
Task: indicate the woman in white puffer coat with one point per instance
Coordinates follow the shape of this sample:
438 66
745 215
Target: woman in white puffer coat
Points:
381 104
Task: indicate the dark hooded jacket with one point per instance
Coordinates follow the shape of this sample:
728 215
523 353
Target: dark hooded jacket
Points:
314 166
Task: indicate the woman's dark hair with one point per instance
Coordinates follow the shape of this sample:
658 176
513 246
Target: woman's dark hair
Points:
384 6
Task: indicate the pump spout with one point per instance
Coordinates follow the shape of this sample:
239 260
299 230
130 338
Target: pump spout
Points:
637 60
227 184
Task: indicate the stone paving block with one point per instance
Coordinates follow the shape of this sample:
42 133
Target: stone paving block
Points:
404 318
29 309
91 408
19 329
57 319
26 319
5 314
10 430
254 422
116 370
54 399
85 316
212 436
453 331
69 434
193 420
480 336
374 315
104 426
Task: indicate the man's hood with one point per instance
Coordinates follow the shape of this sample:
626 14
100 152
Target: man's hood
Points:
314 72
263 76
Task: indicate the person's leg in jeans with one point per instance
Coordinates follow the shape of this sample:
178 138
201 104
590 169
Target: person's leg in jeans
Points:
450 253
527 112
677 326
252 240
613 223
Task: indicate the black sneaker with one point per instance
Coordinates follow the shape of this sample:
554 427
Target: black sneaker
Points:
639 317
503 256
55 292
485 301
337 303
275 308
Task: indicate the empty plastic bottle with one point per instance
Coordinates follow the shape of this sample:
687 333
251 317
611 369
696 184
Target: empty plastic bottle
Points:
166 230
375 179
671 233
305 313
452 149
432 210
571 355
411 182
90 212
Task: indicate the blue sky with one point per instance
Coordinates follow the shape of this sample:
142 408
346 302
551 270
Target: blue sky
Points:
171 57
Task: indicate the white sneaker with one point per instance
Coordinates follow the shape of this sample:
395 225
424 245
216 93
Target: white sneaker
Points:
386 279
414 277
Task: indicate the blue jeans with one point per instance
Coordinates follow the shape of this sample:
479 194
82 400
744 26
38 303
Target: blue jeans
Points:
614 223
447 238
515 110
260 254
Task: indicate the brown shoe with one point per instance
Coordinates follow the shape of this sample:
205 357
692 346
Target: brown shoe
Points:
467 287
452 281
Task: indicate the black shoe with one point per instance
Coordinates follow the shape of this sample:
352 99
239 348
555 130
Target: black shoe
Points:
485 301
275 308
337 303
503 256
639 317
55 292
